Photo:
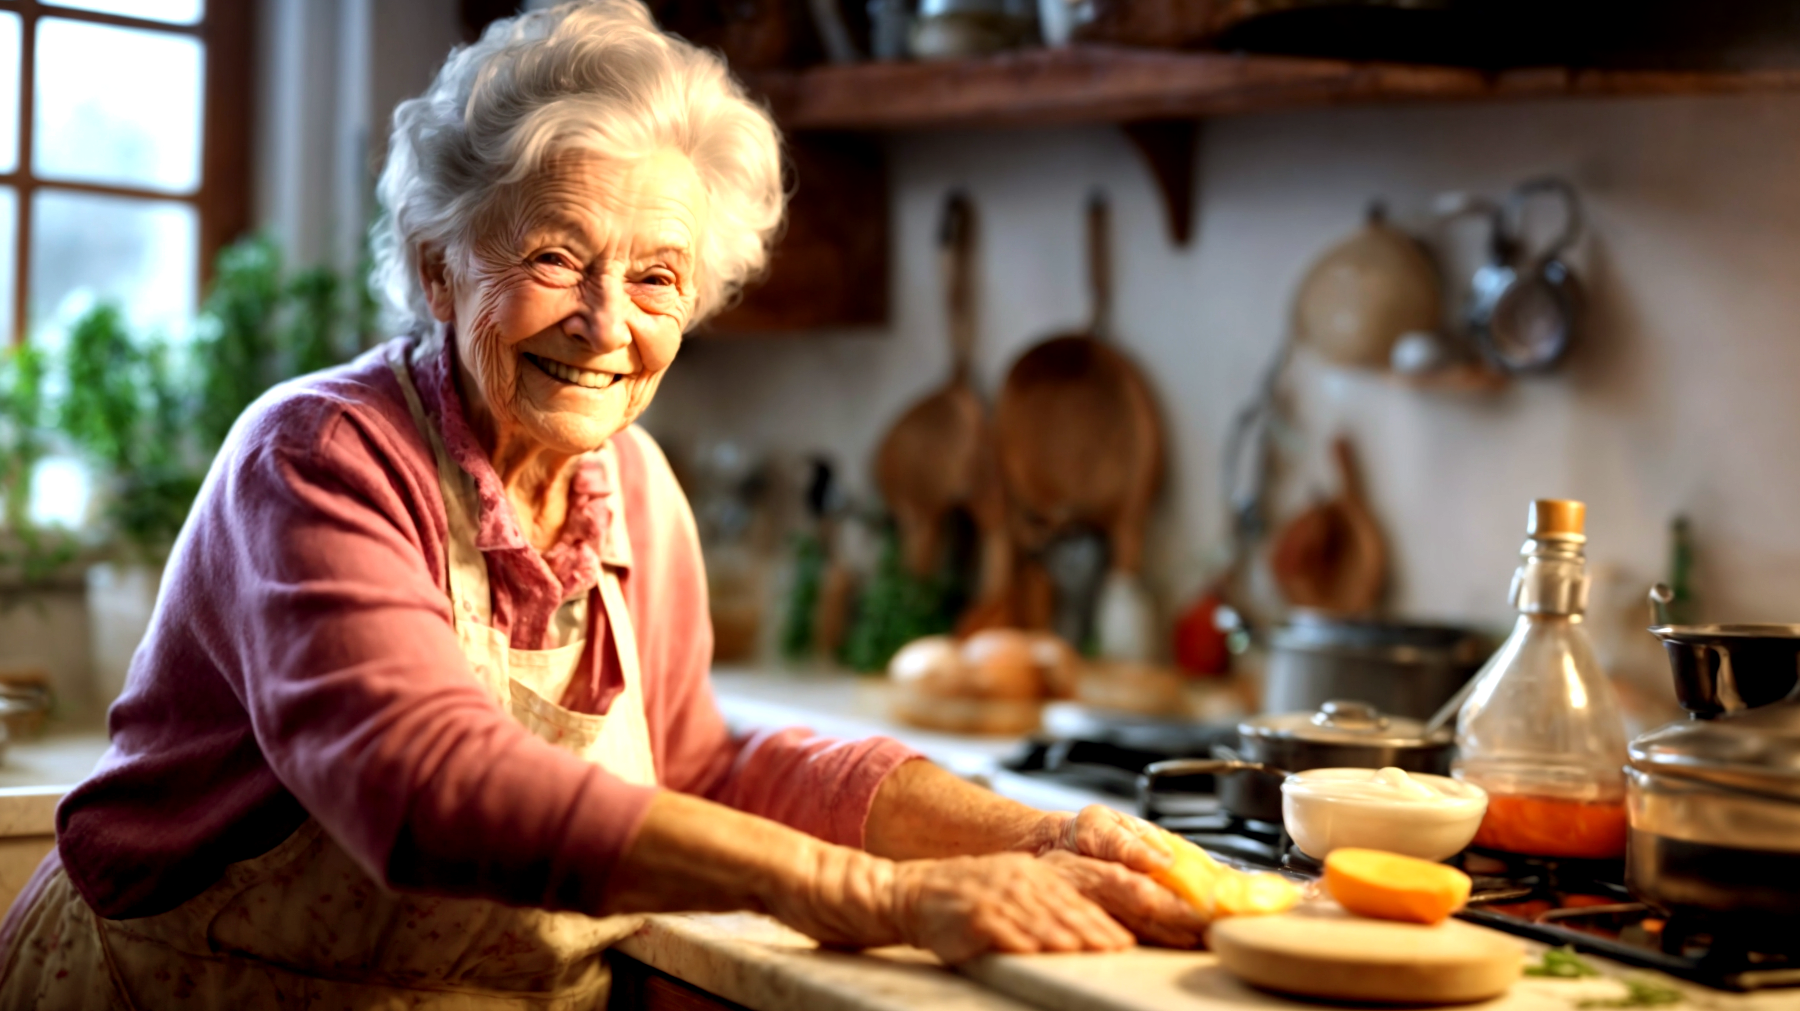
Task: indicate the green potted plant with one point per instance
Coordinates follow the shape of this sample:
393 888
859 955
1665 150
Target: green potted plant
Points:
149 416
29 555
121 407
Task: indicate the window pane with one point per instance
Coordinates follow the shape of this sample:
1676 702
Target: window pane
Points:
117 105
86 248
180 12
9 92
9 232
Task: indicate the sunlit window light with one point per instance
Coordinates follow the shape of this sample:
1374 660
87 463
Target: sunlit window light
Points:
62 490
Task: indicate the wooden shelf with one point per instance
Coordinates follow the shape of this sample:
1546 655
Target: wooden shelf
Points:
839 224
1104 84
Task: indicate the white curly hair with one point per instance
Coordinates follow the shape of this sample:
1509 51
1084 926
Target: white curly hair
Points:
595 75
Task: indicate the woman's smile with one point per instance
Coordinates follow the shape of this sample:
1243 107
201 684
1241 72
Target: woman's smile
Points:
570 375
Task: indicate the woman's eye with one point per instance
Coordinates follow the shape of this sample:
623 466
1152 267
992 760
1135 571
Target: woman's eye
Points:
657 279
557 260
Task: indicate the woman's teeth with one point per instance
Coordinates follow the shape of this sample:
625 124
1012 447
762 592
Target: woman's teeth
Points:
587 378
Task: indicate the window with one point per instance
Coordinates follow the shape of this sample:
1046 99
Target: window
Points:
124 156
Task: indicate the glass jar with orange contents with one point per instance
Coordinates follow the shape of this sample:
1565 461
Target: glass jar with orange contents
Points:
1541 731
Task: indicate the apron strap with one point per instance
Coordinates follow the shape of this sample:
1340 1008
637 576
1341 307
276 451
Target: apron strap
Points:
464 566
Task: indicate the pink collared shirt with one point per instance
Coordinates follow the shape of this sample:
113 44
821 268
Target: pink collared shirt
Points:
302 661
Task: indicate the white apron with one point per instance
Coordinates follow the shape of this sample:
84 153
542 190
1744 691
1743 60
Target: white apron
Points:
303 926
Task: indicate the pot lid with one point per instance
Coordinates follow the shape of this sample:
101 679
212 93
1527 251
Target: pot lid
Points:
1340 721
1756 750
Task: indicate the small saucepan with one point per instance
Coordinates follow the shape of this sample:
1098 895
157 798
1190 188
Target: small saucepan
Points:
1715 819
1342 734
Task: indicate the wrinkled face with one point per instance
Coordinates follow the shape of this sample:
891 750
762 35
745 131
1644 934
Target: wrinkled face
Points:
570 300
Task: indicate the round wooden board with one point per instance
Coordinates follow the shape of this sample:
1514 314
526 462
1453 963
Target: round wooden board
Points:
1327 953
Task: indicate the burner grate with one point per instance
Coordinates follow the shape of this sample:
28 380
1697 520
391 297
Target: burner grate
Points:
1583 904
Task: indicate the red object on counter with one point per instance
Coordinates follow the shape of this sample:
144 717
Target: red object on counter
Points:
1200 647
1553 827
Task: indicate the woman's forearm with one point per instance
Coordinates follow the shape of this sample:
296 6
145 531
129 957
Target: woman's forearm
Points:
923 811
694 855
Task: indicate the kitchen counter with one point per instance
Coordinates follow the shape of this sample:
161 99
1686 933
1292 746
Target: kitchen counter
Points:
762 965
755 961
33 779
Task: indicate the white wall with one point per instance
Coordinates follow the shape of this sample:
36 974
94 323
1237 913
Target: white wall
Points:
1681 398
329 75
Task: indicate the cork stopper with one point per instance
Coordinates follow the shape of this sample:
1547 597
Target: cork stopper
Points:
1557 517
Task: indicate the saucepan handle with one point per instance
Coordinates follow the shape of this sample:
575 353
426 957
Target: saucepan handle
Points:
1177 768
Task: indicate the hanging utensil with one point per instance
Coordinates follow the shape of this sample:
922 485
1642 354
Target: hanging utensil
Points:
1366 293
1331 557
939 456
1077 435
1523 311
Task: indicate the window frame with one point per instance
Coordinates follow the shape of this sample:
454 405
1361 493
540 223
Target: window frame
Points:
222 200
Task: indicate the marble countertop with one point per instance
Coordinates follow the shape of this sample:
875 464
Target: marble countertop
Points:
765 966
36 774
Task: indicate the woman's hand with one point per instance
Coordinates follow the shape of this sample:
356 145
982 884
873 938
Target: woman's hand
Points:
692 854
1104 834
967 906
1144 907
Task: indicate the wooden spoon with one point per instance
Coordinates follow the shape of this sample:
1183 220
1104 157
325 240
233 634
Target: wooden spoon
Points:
1077 432
1331 557
939 454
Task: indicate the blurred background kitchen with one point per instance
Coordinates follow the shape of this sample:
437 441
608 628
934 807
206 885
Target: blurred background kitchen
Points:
1287 422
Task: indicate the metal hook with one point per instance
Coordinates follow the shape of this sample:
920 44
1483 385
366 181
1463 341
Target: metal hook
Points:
1512 216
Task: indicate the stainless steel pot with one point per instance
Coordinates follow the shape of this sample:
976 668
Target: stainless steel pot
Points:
1729 668
1341 734
1714 808
1405 670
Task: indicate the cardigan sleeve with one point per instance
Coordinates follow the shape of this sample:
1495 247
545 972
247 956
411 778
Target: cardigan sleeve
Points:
327 618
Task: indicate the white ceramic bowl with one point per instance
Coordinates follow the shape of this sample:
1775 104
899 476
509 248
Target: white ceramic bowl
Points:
1327 809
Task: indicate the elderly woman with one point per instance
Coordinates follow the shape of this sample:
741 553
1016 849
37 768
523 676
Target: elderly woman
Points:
423 715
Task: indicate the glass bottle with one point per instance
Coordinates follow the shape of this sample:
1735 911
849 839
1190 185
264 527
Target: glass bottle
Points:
1541 731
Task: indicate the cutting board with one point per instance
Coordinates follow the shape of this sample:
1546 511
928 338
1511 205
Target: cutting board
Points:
1329 954
1157 979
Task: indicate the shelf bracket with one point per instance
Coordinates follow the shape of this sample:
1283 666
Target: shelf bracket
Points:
1170 147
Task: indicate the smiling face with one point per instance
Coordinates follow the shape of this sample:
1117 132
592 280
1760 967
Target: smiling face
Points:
570 302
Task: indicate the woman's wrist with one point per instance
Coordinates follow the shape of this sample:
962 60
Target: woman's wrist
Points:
1049 833
839 895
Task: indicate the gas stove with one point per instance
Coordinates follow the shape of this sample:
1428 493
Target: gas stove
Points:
1579 903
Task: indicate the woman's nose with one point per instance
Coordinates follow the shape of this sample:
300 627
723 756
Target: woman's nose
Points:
600 323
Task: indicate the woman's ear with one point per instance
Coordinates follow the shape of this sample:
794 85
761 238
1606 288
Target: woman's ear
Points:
434 277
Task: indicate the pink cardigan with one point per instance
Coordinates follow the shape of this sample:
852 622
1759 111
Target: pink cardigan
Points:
302 662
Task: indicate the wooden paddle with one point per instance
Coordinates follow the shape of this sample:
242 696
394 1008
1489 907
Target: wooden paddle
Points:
939 454
1077 432
1332 557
